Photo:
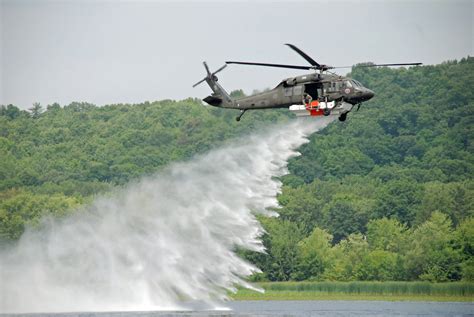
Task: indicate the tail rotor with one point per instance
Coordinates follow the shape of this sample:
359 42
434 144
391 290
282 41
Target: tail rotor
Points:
210 76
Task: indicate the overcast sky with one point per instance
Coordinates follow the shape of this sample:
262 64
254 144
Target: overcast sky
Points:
107 52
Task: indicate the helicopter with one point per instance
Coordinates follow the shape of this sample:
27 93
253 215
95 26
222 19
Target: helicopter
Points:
321 93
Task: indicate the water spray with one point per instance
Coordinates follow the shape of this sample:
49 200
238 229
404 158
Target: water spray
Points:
160 242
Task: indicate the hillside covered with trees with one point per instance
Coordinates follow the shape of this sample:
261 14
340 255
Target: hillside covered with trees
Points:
386 195
390 194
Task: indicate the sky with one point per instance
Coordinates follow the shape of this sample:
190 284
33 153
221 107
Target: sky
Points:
106 52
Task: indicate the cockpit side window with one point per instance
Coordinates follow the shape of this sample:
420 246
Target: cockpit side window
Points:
356 83
348 84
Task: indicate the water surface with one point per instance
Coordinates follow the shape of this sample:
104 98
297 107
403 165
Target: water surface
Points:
301 309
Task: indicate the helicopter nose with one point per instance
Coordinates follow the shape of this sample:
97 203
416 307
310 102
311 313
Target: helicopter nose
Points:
369 94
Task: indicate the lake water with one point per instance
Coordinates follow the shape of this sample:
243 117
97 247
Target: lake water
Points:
302 309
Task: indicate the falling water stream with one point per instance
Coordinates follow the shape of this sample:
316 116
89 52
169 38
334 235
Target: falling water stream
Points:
159 242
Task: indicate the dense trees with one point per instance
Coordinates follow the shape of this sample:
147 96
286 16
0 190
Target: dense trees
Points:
18 208
432 255
386 195
432 251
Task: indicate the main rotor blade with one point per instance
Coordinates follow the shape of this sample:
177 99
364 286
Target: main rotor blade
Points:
271 65
375 65
304 55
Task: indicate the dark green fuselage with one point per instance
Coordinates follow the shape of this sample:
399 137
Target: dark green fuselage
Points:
294 90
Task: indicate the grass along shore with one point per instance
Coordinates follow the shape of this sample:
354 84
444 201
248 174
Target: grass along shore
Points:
386 291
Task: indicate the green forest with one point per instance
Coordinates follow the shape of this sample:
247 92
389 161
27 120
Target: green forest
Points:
387 195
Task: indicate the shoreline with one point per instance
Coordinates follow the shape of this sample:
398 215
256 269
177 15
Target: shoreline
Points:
359 291
318 296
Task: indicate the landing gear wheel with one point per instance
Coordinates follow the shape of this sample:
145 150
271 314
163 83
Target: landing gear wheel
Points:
240 115
343 117
326 112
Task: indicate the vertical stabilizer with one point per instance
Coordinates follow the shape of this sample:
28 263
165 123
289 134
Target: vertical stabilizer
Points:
220 97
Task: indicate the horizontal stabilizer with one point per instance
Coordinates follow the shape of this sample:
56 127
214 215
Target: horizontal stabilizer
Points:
213 100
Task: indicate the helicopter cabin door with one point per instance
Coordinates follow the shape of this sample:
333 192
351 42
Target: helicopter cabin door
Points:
313 90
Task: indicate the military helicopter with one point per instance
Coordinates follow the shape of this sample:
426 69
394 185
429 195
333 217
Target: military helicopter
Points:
321 93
